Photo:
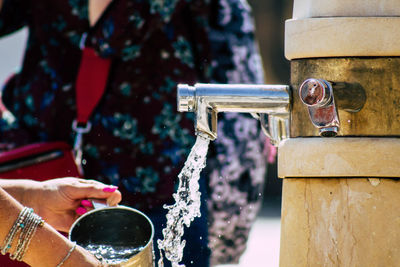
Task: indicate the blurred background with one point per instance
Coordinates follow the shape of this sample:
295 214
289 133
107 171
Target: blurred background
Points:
263 244
269 16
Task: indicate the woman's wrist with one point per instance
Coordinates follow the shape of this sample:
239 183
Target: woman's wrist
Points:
78 256
87 257
50 249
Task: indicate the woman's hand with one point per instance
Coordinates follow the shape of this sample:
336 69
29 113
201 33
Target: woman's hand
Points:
47 247
60 201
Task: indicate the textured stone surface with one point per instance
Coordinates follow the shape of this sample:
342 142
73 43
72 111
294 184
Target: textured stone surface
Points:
342 37
345 8
339 157
346 221
340 222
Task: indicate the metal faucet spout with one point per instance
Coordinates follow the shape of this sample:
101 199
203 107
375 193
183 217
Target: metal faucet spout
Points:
209 99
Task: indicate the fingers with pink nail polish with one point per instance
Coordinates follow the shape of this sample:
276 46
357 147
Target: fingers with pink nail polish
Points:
87 203
112 194
80 210
110 189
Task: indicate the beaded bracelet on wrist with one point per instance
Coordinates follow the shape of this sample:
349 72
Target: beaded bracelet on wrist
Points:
26 225
26 235
17 226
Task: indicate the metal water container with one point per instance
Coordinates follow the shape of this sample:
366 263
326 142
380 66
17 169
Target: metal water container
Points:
122 236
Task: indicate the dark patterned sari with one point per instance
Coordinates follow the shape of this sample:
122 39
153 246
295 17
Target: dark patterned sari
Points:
138 140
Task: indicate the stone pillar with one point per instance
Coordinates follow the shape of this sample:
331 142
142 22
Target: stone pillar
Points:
340 195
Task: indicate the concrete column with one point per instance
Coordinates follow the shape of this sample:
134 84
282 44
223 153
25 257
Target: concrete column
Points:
340 195
336 216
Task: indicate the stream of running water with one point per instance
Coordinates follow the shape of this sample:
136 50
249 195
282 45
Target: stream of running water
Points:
187 204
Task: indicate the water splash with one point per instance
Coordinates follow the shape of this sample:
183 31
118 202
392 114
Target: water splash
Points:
187 204
113 254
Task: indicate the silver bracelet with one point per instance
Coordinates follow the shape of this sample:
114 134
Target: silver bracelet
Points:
18 225
68 254
26 236
30 225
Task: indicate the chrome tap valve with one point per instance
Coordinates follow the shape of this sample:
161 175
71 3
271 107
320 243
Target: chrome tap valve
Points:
317 95
324 99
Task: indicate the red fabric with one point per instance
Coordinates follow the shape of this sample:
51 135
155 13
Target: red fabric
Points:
5 261
90 83
63 166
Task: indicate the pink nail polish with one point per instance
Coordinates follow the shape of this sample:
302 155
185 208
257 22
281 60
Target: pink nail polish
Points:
80 210
110 189
86 203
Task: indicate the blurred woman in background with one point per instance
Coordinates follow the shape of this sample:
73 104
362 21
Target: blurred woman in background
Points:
138 141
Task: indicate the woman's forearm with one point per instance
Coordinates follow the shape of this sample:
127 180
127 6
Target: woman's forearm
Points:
47 247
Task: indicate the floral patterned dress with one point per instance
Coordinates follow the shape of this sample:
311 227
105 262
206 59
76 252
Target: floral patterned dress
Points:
138 140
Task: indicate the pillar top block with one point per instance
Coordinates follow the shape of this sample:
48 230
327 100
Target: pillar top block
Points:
343 28
345 8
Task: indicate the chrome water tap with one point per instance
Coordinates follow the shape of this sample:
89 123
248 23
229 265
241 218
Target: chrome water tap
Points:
324 99
206 100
